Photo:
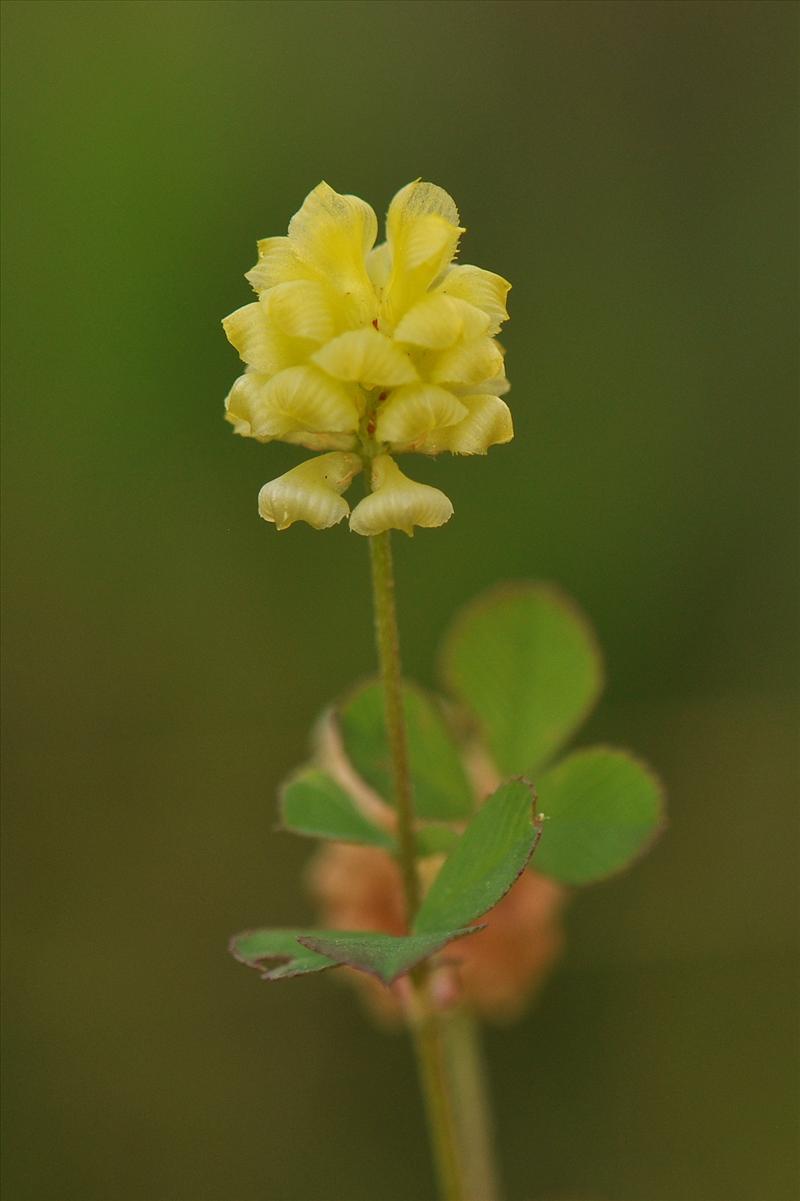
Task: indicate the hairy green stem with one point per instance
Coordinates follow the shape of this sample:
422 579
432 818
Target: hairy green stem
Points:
447 1047
388 641
426 1022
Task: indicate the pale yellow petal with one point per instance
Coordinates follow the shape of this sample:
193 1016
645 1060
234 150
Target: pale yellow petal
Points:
398 503
310 492
314 441
468 363
300 399
366 357
487 423
241 402
246 329
379 265
423 232
302 309
260 343
330 225
333 234
416 411
247 409
419 199
427 245
492 387
277 264
416 262
437 322
483 289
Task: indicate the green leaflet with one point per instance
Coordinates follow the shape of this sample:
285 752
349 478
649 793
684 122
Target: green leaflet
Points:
485 861
313 803
381 955
441 789
260 948
601 809
299 952
523 659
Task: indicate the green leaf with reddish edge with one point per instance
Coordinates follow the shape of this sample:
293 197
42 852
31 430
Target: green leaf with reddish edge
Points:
441 788
602 808
383 955
524 662
487 859
313 803
280 948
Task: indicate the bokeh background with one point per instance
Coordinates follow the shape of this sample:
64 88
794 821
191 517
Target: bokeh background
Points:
630 167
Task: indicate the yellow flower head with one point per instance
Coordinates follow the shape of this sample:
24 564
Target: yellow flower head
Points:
366 352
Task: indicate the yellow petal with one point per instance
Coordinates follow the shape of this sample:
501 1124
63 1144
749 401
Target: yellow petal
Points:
419 199
310 492
491 387
437 322
314 441
333 234
246 329
259 341
298 400
483 289
414 412
427 244
277 264
468 363
398 503
302 309
379 265
423 232
487 423
366 357
239 404
247 409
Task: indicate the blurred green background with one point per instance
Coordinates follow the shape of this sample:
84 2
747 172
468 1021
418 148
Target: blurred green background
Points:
629 167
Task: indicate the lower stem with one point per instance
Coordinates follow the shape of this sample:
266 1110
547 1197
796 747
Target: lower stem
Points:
437 1088
447 1046
473 1116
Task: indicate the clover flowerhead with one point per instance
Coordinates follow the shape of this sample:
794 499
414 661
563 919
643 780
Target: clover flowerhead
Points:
364 352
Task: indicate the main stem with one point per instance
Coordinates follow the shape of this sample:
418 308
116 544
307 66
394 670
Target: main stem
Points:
426 1026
